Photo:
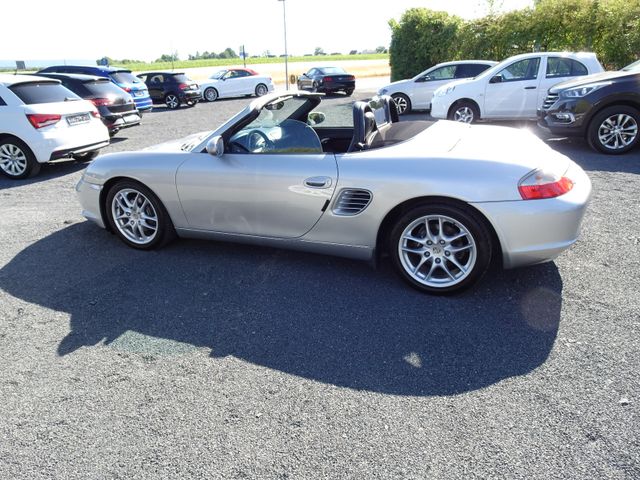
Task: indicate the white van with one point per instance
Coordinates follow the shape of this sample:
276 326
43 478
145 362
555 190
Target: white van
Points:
511 90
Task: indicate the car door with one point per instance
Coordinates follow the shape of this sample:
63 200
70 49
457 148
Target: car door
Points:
232 83
513 91
306 81
155 84
266 195
429 83
558 69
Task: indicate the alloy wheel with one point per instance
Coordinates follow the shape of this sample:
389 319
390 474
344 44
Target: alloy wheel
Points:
463 114
13 160
172 101
437 251
134 216
618 131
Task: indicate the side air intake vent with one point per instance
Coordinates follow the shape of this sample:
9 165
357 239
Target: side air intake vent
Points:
352 202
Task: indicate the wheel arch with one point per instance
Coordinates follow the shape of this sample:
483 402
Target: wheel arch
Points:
462 100
616 103
386 226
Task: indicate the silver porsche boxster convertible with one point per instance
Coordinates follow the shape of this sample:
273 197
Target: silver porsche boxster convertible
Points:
443 200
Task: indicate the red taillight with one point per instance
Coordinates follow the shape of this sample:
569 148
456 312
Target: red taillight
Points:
127 89
183 86
95 113
102 102
541 184
41 120
328 79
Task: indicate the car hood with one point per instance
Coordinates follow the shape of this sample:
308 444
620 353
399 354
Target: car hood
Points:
589 79
395 85
185 144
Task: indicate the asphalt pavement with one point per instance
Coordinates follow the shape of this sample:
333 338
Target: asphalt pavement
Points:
214 360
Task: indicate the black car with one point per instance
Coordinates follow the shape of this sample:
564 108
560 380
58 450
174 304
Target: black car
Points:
171 88
328 80
604 108
116 107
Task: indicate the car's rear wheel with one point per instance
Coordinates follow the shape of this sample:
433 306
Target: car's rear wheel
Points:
172 101
210 94
440 248
464 112
17 161
614 130
348 92
403 104
137 216
261 90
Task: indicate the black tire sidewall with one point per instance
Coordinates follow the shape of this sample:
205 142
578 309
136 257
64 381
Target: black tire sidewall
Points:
594 126
33 167
266 90
166 230
456 106
466 217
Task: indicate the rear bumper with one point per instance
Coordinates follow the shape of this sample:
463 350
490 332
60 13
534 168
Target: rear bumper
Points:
60 142
69 152
537 231
120 121
335 86
190 95
143 103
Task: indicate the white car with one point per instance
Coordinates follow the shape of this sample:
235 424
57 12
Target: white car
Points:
415 93
41 121
514 89
235 82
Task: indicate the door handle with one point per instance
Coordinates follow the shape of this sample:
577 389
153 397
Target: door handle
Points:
318 182
529 88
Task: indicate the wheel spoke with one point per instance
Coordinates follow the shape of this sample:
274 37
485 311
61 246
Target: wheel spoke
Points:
418 251
444 267
460 249
453 260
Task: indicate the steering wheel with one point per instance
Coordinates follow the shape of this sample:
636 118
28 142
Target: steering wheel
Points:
259 142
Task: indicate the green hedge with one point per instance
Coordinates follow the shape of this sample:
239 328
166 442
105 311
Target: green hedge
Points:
610 28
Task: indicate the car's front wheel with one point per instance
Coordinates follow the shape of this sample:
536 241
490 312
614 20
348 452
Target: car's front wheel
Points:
137 216
440 248
261 89
17 161
172 101
210 94
614 130
403 104
464 112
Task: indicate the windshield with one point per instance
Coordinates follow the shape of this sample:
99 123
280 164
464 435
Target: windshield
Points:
218 74
633 67
124 77
332 70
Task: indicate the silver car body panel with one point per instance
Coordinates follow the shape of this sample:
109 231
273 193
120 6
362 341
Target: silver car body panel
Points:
263 199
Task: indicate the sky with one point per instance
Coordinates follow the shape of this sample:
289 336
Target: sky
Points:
144 30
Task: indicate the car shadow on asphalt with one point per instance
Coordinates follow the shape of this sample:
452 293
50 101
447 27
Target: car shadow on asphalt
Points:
48 171
327 319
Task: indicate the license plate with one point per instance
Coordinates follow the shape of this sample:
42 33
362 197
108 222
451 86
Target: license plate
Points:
139 93
77 119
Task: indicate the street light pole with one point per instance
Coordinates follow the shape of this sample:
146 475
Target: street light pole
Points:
286 53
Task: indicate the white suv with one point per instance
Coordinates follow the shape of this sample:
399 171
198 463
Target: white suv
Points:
41 121
513 89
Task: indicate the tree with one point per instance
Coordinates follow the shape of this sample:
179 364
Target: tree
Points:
318 51
381 50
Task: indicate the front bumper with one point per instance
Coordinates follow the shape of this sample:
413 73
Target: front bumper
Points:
89 196
537 231
439 108
565 117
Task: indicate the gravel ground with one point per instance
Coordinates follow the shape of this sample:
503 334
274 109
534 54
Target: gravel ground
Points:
210 360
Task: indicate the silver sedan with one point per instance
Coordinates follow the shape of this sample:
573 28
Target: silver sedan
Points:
442 200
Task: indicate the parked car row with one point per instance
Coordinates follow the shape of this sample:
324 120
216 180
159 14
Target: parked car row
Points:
70 111
567 93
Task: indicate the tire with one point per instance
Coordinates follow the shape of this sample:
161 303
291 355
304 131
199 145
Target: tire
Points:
17 161
464 112
348 92
261 89
614 130
137 216
403 104
211 94
314 87
191 103
429 262
86 157
172 100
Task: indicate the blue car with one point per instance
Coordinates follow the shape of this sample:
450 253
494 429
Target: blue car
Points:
120 76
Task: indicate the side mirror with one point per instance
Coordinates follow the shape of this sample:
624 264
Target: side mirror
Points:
315 118
215 146
496 79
